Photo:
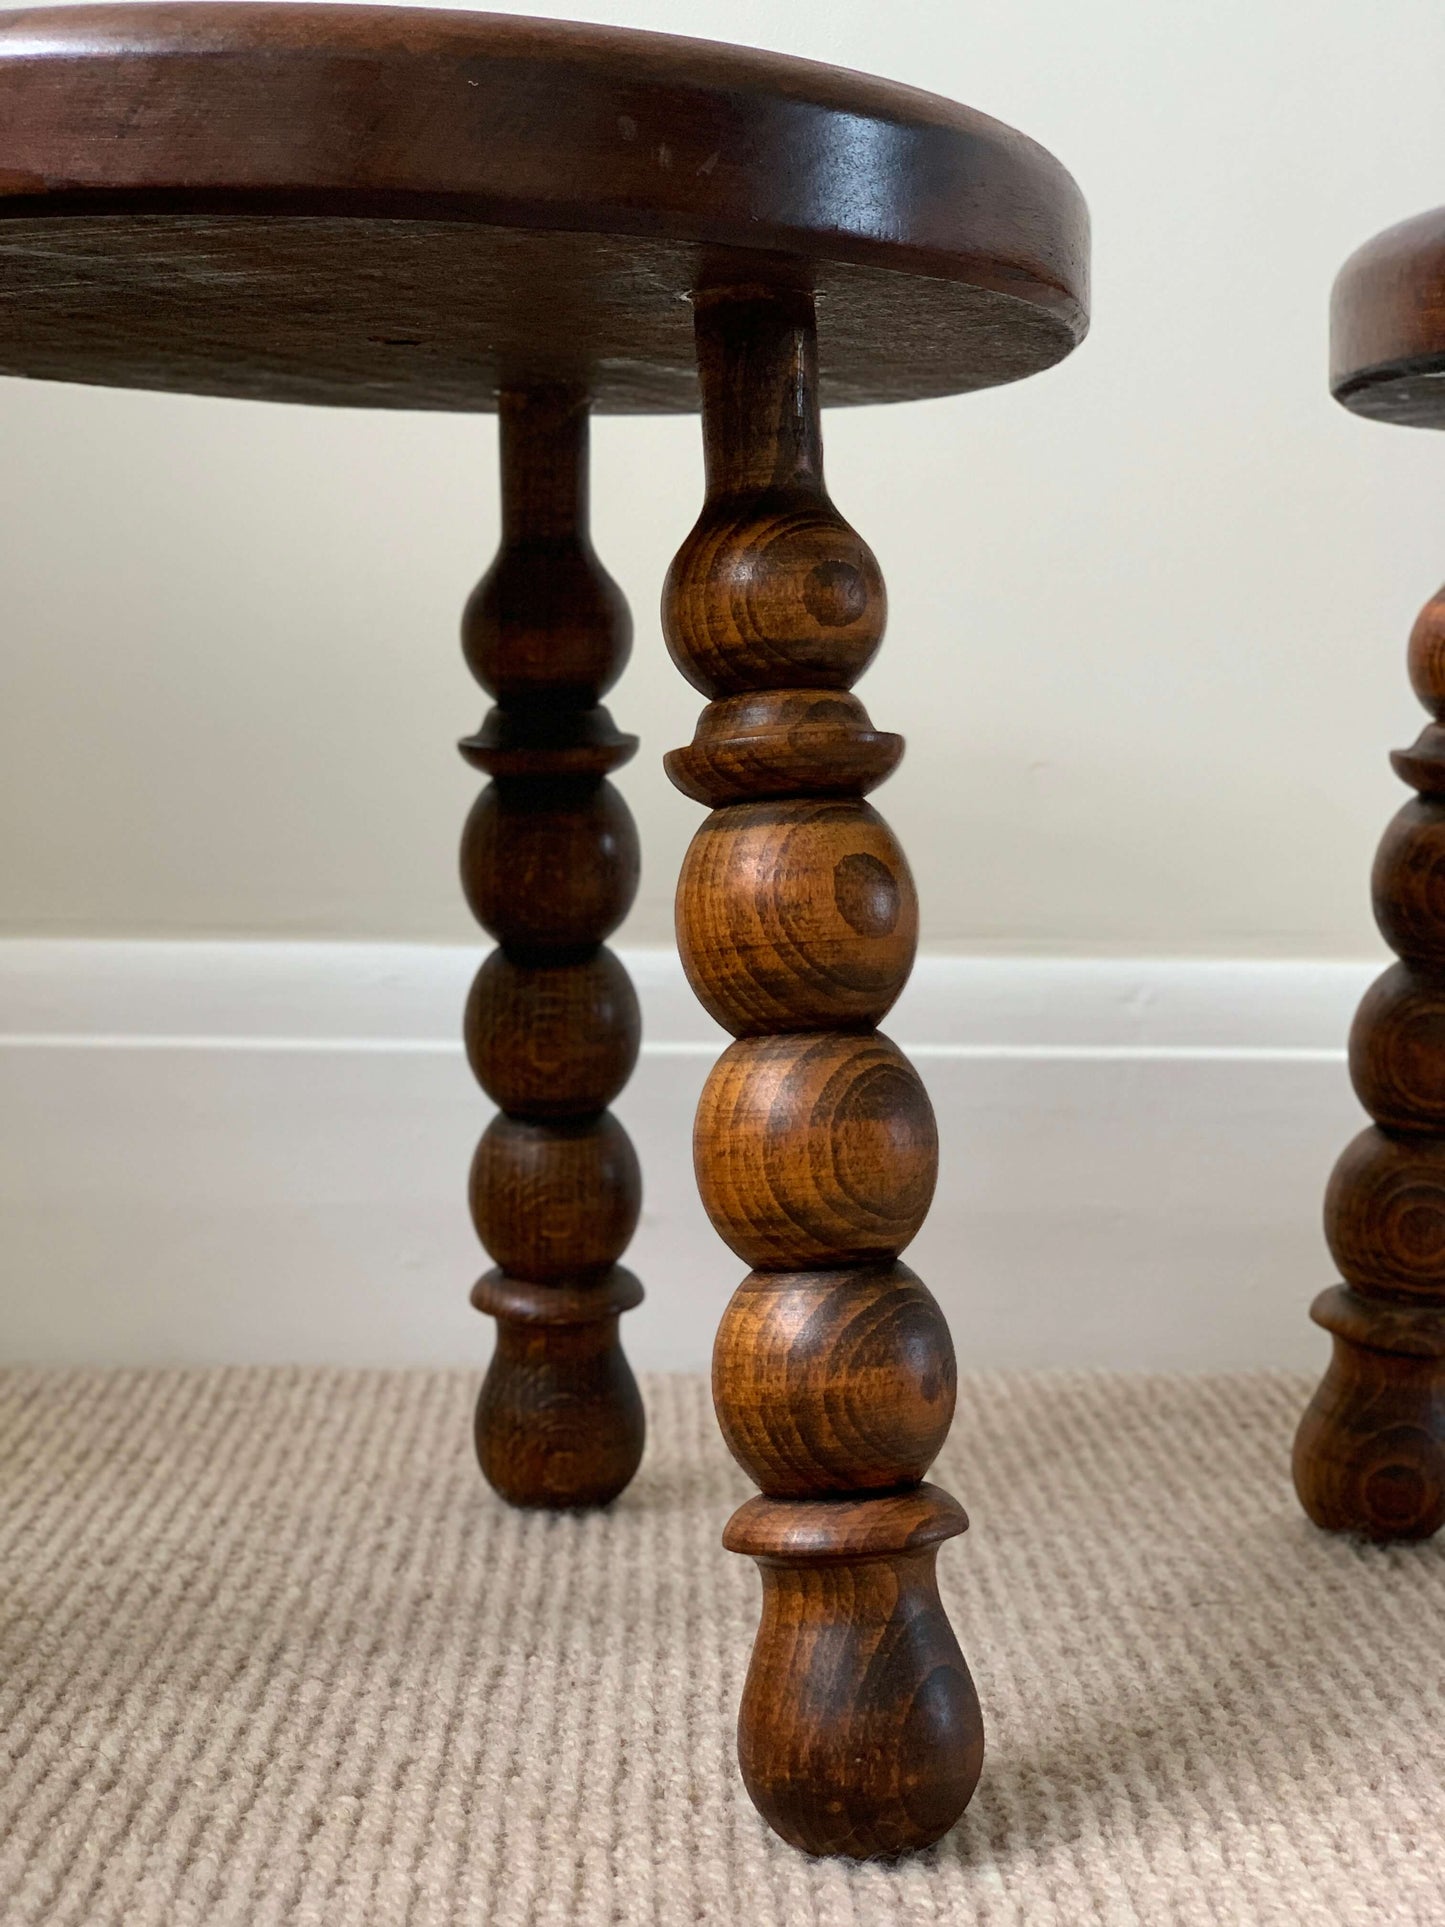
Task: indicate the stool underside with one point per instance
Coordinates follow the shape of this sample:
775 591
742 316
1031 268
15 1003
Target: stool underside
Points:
384 313
1410 394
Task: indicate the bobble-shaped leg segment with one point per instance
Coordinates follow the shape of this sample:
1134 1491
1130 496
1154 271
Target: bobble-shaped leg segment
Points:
815 1143
834 1381
1369 1456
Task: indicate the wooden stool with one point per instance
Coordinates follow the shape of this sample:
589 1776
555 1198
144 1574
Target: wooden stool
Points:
406 209
1370 1453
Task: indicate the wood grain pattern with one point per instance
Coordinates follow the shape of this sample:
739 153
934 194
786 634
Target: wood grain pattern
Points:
554 1201
834 1381
1408 883
1369 1456
815 1148
552 1040
796 914
859 1731
772 589
411 207
815 1145
549 863
783 742
549 866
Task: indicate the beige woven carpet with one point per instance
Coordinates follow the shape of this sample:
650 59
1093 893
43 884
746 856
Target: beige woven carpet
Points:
271 1654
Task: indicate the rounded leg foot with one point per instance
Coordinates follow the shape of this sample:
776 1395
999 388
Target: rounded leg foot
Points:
559 1421
1369 1456
559 1427
860 1731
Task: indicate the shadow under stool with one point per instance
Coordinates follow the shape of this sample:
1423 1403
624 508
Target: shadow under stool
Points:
1370 1453
398 208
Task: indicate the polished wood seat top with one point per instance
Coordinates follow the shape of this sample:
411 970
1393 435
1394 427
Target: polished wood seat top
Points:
400 207
1387 325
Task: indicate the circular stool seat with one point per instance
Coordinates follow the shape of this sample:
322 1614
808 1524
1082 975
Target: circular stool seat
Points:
1387 325
404 208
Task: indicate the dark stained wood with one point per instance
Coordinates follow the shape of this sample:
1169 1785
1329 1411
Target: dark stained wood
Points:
1385 1213
1408 883
407 207
549 864
553 1201
559 1420
859 1731
834 1381
831 1530
815 1148
1369 1456
771 589
1425 654
796 914
552 1040
546 631
1396 1326
1397 1050
530 1303
1387 325
536 740
783 742
815 1144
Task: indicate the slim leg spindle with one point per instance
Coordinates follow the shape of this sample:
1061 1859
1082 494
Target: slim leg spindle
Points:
549 866
1370 1453
815 1144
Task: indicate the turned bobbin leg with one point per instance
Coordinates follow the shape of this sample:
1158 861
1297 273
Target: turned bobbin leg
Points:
549 865
1369 1456
815 1144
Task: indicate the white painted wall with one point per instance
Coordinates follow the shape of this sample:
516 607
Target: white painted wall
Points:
258 1152
1148 610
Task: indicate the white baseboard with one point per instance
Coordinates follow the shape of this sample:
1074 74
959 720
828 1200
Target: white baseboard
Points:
258 1152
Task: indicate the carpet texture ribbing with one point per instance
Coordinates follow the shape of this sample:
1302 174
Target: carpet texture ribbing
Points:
270 1653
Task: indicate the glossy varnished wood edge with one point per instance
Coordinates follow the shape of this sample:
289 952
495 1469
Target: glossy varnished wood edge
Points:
831 1531
1387 325
830 165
